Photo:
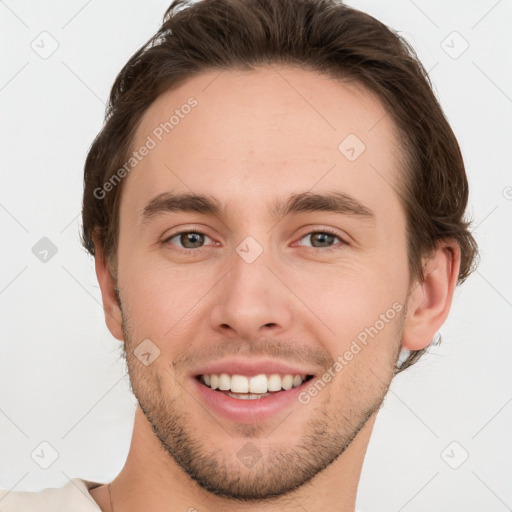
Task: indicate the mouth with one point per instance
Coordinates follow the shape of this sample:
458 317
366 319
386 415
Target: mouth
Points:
243 387
251 390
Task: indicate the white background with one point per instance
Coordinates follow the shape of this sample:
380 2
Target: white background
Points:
61 378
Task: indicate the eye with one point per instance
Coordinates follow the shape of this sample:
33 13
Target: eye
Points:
188 239
323 239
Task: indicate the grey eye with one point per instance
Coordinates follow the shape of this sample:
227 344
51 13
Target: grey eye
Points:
321 239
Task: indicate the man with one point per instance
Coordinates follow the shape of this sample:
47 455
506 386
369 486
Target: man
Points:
276 210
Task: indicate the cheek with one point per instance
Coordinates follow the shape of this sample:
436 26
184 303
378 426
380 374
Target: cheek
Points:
350 296
161 297
358 309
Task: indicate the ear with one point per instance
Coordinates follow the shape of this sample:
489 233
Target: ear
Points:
113 317
430 300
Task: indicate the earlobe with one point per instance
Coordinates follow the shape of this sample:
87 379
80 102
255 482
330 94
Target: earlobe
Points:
111 308
430 300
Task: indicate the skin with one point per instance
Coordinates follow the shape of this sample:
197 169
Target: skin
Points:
256 136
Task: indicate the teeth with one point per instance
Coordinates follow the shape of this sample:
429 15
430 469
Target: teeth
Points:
297 381
274 382
224 382
287 382
247 396
239 384
258 384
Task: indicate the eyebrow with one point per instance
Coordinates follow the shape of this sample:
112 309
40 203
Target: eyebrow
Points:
335 202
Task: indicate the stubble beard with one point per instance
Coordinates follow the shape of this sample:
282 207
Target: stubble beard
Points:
278 471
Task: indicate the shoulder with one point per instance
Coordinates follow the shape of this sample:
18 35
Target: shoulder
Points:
73 495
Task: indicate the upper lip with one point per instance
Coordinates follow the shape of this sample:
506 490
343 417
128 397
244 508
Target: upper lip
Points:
251 367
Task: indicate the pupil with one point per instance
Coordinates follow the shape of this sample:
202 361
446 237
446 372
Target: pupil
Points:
192 238
323 237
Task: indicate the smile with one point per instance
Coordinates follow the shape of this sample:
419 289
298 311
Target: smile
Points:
250 399
250 388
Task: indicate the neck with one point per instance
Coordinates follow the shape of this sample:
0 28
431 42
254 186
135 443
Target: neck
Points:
151 480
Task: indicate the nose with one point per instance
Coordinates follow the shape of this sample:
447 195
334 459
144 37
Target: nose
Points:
251 301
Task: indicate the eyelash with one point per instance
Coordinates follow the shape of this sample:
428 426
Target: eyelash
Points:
200 250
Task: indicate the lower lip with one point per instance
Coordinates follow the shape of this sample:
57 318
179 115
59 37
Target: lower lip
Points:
249 411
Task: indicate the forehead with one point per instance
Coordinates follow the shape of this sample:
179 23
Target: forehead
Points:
245 135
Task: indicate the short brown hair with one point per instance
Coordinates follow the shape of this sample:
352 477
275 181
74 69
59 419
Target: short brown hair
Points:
322 36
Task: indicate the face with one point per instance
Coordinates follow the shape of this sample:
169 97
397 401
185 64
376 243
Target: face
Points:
296 264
